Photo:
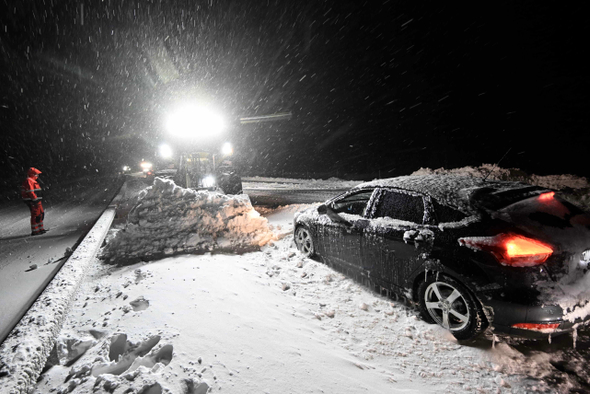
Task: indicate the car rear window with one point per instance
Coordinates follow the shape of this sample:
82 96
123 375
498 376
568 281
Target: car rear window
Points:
401 206
495 199
546 209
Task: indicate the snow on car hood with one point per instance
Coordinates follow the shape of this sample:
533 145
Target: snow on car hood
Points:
169 220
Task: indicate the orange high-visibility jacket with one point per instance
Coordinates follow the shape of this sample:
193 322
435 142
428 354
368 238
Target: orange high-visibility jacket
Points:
30 187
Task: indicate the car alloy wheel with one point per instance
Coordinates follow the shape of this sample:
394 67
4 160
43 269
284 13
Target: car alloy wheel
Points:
304 241
446 302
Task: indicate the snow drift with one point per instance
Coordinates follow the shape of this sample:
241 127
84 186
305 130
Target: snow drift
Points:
169 220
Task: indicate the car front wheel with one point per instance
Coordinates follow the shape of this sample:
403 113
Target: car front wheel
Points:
448 303
304 241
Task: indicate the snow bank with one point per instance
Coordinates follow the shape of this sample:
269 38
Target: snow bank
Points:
169 220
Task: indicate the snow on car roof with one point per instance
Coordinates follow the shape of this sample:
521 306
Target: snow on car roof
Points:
455 191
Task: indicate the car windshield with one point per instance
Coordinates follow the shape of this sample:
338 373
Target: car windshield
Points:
353 204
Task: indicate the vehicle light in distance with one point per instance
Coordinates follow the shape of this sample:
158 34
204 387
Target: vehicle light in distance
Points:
146 166
541 327
511 249
209 181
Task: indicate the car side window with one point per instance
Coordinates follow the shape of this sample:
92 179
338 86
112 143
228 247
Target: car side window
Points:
400 206
354 204
446 214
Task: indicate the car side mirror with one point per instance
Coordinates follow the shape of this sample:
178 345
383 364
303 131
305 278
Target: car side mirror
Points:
323 209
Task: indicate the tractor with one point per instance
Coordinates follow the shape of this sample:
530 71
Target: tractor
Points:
203 170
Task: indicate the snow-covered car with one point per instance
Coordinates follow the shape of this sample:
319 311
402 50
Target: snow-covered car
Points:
472 254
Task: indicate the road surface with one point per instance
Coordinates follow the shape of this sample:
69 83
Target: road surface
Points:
28 263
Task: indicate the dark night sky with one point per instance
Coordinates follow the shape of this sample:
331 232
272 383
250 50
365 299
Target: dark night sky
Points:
376 88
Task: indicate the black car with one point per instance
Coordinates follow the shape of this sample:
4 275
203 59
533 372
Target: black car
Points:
471 253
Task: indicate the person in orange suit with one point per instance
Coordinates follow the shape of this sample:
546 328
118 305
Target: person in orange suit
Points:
30 192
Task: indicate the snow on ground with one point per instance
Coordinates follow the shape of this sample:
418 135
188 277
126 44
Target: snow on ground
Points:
266 321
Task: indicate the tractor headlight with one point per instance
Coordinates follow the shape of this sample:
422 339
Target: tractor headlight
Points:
227 149
209 181
194 121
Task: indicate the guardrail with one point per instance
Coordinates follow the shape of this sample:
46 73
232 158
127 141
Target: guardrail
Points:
24 352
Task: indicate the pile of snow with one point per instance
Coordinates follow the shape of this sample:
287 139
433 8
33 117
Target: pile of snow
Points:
169 220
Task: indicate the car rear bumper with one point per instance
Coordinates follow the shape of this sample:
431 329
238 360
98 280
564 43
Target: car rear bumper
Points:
541 321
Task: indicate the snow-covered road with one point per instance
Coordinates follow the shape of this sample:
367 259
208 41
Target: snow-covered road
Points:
271 321
28 263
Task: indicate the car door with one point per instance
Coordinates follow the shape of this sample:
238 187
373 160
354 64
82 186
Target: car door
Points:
342 228
396 239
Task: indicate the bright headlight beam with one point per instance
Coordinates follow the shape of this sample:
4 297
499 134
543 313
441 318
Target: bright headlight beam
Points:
209 181
165 151
227 149
193 121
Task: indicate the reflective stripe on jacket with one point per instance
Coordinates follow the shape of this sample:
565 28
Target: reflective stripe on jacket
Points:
29 190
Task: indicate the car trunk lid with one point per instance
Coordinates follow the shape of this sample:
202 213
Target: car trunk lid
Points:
554 221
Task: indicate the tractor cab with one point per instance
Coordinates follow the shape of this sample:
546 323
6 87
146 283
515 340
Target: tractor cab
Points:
203 170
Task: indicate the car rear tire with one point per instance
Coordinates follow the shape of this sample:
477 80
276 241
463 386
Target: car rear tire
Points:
448 303
304 241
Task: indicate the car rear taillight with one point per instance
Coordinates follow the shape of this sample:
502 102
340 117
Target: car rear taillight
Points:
511 249
541 327
547 196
